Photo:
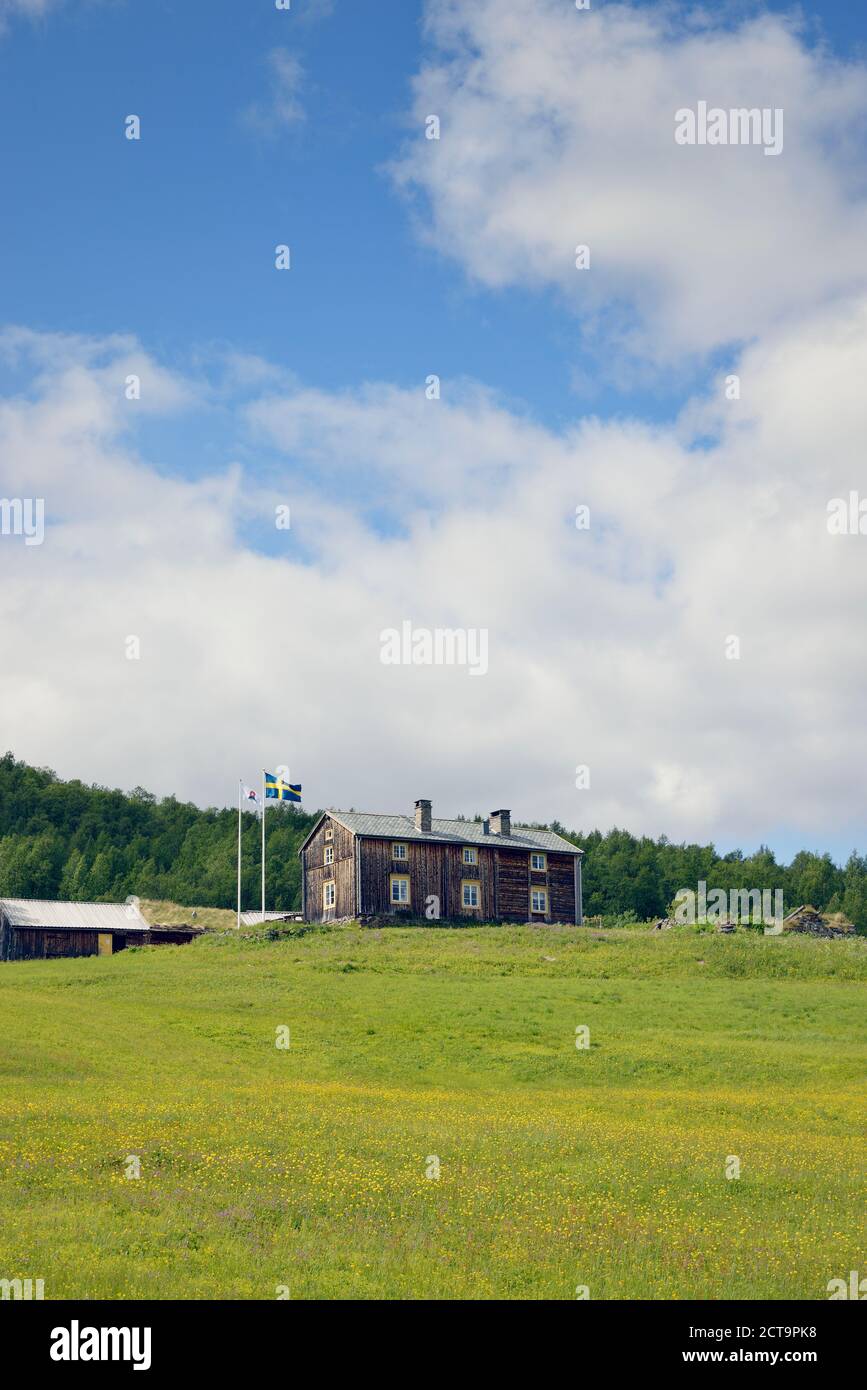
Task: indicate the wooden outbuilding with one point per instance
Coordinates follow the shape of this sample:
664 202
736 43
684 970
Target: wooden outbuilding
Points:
355 864
35 929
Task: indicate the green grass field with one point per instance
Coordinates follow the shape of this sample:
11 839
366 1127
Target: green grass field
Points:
306 1167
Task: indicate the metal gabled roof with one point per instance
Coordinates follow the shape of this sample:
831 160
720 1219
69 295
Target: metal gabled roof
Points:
460 832
59 916
254 918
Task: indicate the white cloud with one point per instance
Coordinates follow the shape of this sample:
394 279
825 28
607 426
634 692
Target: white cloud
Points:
283 106
557 129
28 7
606 646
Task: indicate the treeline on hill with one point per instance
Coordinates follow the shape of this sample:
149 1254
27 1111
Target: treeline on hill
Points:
88 844
67 840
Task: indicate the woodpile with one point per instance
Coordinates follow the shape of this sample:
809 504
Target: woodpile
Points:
814 923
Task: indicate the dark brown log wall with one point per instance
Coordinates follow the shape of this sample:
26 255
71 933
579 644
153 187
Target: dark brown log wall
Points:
436 873
162 936
484 873
514 885
317 873
561 888
34 943
424 866
438 870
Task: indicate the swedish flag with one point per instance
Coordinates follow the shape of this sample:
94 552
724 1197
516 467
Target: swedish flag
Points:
278 790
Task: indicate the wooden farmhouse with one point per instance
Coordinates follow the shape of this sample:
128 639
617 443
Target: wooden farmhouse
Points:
32 929
359 865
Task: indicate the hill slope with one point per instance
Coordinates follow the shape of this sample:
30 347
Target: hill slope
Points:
417 1051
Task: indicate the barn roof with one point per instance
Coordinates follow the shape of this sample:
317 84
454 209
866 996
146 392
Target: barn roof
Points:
460 832
39 912
254 918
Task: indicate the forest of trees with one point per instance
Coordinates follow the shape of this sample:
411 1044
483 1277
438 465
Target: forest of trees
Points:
639 877
88 844
71 841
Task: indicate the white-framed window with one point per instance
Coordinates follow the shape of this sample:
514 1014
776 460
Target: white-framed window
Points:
399 891
539 861
471 893
329 832
398 850
539 900
329 893
470 856
329 854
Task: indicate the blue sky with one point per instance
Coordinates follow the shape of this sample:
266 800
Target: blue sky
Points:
171 238
187 219
307 387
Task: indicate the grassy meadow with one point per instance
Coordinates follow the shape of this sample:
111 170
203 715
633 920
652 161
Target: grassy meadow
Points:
304 1169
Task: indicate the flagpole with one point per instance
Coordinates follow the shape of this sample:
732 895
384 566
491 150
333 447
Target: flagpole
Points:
239 854
263 847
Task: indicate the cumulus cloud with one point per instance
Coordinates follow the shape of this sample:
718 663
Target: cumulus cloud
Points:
557 130
606 645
